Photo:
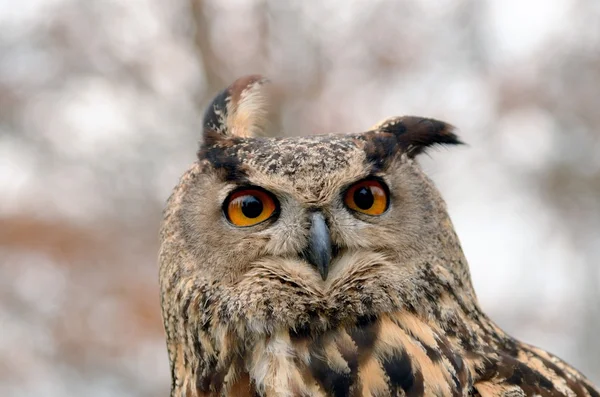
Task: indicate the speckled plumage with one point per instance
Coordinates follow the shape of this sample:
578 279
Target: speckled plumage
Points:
246 315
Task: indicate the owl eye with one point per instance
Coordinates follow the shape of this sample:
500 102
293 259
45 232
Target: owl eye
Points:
249 207
368 197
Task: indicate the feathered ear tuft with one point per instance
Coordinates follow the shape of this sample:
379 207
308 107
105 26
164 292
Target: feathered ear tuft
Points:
241 110
415 134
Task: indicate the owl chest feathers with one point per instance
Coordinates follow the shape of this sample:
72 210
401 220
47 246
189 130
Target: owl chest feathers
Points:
281 332
387 355
448 352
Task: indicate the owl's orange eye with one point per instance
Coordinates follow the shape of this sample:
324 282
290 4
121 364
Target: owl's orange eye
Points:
368 196
249 207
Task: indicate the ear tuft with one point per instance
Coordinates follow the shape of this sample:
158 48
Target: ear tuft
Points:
415 134
241 110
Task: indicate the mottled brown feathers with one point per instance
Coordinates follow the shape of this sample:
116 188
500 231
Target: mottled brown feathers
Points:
246 314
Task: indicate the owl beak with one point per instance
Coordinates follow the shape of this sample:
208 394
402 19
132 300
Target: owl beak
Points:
318 251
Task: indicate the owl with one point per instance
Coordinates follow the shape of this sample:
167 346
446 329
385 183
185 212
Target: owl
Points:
327 265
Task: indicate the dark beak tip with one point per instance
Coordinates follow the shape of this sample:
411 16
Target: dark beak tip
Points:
324 271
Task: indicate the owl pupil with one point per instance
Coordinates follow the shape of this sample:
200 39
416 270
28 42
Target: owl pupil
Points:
363 198
252 207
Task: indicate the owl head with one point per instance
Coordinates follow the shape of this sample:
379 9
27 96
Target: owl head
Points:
304 232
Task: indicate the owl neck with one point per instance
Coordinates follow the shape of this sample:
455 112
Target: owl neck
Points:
218 348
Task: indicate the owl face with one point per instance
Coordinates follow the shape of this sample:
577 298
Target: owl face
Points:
289 231
309 201
326 265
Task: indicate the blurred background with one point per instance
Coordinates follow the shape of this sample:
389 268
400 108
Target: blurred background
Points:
100 110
